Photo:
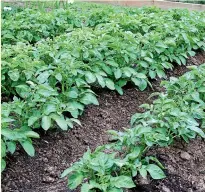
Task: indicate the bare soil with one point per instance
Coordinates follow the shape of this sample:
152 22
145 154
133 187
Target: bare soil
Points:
56 150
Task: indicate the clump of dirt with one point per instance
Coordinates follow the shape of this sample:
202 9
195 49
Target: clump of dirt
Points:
184 166
57 150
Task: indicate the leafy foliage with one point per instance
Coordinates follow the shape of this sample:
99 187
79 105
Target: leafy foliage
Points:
33 24
175 113
76 48
12 131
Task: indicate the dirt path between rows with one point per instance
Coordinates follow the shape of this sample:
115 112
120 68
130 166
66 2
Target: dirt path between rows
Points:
57 150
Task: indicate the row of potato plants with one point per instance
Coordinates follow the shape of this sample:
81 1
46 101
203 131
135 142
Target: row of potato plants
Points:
51 82
179 112
31 25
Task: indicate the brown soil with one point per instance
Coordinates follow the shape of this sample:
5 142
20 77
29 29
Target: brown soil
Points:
185 168
57 150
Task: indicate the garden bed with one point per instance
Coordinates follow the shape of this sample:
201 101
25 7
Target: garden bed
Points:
56 151
55 67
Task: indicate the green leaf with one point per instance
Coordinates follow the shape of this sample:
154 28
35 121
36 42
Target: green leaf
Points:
85 54
46 91
135 153
183 60
107 69
94 184
134 171
75 53
143 64
75 179
162 45
159 50
76 121
142 85
32 134
32 120
100 80
6 120
126 58
109 83
136 81
112 63
178 60
114 189
3 149
23 90
155 171
28 147
141 75
122 82
143 172
185 37
122 182
3 164
152 74
28 74
76 105
167 65
191 53
59 77
61 122
118 73
46 122
160 73
154 158
148 59
43 77
197 130
49 108
85 187
75 113
69 123
14 75
201 89
127 72
72 94
89 98
119 89
11 146
67 172
90 77
8 134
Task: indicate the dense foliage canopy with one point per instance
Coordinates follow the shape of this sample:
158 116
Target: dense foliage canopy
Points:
52 60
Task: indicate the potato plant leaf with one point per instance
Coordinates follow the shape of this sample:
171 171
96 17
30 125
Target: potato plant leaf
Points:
28 147
46 122
122 182
155 171
74 180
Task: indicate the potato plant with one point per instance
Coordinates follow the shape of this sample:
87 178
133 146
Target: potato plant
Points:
50 81
13 132
179 112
